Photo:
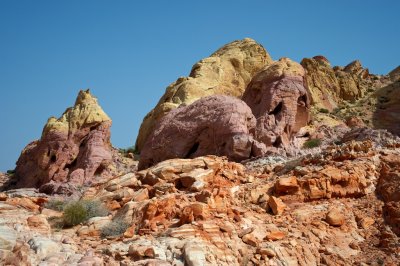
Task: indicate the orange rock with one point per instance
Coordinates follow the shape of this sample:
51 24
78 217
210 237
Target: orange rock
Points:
276 205
275 235
24 203
335 218
113 205
3 196
287 185
130 232
250 239
39 223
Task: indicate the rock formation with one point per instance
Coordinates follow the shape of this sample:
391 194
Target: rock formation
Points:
278 98
329 86
71 151
218 125
225 72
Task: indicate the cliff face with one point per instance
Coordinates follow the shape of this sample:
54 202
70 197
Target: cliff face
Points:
71 151
225 72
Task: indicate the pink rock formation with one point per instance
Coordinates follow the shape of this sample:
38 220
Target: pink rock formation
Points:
72 149
278 99
218 125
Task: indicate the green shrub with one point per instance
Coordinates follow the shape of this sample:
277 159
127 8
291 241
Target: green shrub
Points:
324 111
114 228
80 211
57 205
312 143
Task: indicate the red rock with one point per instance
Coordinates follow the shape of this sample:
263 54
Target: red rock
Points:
218 125
276 205
71 151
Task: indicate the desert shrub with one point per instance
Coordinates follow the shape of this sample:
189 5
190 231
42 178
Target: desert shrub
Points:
114 228
57 205
324 110
80 211
312 143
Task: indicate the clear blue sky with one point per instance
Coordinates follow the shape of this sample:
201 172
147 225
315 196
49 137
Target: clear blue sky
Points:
127 52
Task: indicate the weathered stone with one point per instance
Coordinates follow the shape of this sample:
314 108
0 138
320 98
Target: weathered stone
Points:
277 205
71 151
218 125
335 217
225 72
278 98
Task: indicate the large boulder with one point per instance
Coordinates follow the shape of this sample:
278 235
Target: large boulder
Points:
71 151
328 86
219 125
278 98
225 72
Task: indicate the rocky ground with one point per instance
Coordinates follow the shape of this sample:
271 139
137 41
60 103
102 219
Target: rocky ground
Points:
305 172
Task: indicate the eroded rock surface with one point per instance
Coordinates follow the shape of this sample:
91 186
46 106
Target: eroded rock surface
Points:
278 98
225 72
218 125
328 86
71 151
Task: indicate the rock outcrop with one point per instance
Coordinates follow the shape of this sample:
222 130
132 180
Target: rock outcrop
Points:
328 86
218 125
71 151
278 98
225 72
387 108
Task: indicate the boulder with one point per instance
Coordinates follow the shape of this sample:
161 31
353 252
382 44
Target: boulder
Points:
225 72
71 151
214 125
278 98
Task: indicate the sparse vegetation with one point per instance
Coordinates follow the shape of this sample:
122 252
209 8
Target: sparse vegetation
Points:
114 228
77 212
126 151
312 143
324 110
57 205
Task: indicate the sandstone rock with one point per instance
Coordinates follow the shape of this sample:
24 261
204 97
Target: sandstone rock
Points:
225 72
39 223
387 109
8 238
194 254
287 185
218 125
277 205
278 98
395 74
275 235
43 246
329 86
71 151
335 217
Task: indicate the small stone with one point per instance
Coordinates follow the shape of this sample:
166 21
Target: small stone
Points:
3 196
275 235
267 251
366 222
276 205
334 217
286 185
249 239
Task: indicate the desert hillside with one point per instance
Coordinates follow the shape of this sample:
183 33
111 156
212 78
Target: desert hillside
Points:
249 160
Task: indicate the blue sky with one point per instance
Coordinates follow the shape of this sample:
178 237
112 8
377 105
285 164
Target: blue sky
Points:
128 52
